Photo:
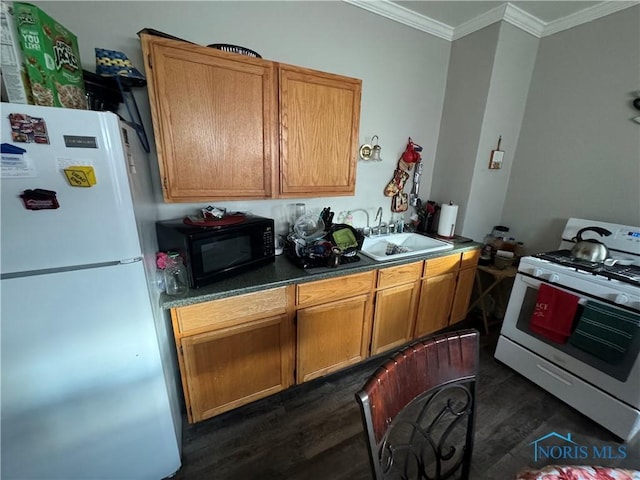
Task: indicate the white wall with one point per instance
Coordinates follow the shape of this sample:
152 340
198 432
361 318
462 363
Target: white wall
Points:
403 70
468 82
578 153
510 79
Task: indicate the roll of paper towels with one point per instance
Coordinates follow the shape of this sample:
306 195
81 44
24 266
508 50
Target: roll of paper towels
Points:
447 222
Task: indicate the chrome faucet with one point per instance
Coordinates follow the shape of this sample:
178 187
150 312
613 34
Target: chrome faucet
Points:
378 230
363 211
379 214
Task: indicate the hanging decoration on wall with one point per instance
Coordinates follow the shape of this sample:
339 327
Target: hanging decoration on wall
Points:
394 189
495 160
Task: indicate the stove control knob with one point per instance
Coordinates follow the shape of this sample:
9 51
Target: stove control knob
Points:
621 299
537 272
554 277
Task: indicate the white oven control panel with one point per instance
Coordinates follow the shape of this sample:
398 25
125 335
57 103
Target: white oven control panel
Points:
623 238
627 235
614 291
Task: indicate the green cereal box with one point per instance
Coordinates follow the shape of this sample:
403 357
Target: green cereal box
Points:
51 57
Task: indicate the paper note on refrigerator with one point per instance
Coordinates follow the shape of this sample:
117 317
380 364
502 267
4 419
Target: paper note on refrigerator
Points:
17 166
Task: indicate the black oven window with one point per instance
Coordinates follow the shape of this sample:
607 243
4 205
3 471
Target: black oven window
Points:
223 254
619 370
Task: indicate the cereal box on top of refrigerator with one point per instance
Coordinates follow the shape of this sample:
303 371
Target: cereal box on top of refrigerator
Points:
52 59
15 82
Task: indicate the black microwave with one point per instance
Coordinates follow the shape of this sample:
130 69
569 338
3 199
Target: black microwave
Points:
213 253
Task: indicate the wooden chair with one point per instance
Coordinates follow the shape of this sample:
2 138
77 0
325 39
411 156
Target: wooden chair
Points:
418 409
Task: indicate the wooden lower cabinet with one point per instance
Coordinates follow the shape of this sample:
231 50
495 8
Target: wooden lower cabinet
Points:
395 306
436 295
464 285
332 336
230 367
238 349
445 291
393 318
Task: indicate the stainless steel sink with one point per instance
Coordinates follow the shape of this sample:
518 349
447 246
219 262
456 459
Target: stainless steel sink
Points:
400 245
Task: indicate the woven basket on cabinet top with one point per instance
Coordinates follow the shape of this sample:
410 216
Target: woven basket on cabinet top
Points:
225 47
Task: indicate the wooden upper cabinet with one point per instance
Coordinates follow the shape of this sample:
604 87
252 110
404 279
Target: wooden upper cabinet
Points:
319 120
214 119
229 126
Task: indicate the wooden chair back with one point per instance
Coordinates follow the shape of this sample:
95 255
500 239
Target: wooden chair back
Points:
418 409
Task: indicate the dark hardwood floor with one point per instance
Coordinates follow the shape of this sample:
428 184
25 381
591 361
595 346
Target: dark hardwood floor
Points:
314 430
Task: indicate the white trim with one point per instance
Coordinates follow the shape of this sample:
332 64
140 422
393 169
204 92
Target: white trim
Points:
403 15
524 21
484 20
587 15
508 12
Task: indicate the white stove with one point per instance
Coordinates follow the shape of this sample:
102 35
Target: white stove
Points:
605 388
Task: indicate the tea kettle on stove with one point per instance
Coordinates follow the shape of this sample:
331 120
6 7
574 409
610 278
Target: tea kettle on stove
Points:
590 249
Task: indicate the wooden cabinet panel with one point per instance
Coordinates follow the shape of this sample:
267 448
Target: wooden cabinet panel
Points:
332 336
394 317
229 311
230 367
230 127
214 118
436 295
464 287
331 289
470 259
388 277
319 122
440 265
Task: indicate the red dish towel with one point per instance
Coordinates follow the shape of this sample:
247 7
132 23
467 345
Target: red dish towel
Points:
554 314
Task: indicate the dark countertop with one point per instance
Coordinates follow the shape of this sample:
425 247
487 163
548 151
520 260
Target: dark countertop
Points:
282 272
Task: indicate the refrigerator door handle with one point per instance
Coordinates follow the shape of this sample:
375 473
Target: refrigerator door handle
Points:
131 260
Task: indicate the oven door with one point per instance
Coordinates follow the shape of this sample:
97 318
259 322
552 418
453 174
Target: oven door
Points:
620 380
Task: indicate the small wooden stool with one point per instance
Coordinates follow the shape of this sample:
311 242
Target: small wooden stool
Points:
498 276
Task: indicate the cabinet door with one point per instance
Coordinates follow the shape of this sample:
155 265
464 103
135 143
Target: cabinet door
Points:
332 336
214 121
233 366
436 295
319 122
394 317
462 296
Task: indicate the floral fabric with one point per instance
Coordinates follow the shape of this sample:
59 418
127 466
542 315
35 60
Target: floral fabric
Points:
572 472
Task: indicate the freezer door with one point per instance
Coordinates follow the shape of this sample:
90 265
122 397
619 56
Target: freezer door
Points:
83 393
93 224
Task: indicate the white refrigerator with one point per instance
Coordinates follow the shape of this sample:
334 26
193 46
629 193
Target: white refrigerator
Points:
88 375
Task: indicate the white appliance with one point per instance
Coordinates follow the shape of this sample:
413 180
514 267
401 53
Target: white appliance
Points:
88 384
604 389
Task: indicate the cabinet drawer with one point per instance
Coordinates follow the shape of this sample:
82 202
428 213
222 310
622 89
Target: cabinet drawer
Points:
334 288
470 259
388 277
441 265
228 311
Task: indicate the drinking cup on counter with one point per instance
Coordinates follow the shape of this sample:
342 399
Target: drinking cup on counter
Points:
335 257
296 210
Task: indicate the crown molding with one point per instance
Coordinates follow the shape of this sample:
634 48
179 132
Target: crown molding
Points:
587 15
508 12
492 16
524 20
400 14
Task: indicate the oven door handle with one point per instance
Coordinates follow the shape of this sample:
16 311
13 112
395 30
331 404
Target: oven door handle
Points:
554 375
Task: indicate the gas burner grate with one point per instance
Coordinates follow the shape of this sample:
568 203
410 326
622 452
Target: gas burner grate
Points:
624 273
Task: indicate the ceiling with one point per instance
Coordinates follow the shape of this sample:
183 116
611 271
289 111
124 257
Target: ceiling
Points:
454 19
